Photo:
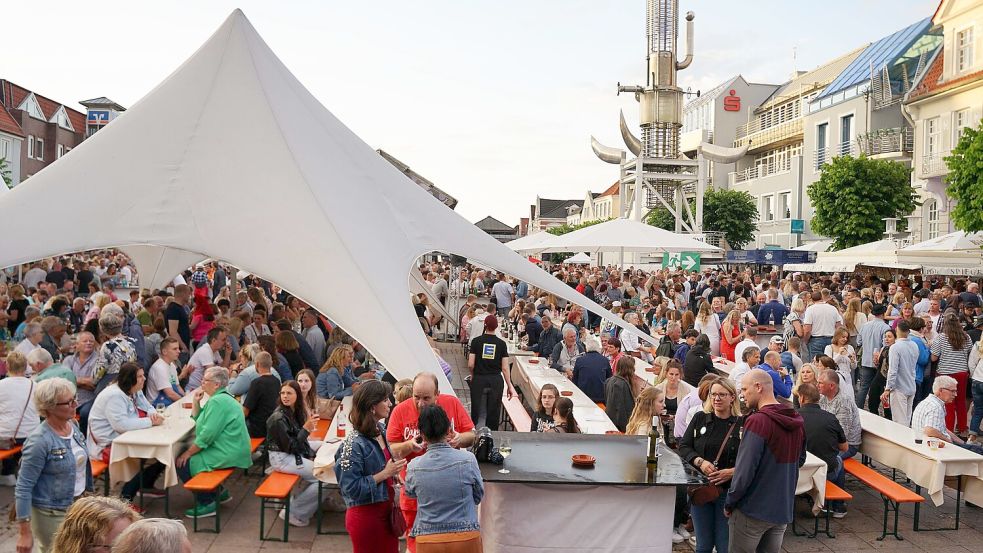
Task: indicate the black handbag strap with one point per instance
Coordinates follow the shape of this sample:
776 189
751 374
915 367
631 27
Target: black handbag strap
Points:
723 444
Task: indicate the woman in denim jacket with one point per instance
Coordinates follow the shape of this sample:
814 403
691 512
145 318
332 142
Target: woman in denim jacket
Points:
440 481
54 468
364 475
336 377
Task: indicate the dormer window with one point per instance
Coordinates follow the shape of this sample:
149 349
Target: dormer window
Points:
964 50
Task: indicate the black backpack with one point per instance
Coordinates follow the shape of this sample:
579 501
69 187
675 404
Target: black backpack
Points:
484 447
665 348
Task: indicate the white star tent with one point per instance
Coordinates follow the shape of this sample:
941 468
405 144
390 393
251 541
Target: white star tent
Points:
157 267
229 138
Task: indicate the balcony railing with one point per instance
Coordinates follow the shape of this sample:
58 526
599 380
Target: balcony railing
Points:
933 165
822 156
899 140
760 137
760 170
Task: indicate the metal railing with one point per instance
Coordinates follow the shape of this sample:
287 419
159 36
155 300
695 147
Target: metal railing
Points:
933 165
899 140
822 156
761 170
761 137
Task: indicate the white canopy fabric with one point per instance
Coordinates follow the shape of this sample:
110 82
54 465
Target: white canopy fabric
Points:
956 253
233 131
157 266
882 254
531 243
580 258
817 246
952 242
419 285
625 235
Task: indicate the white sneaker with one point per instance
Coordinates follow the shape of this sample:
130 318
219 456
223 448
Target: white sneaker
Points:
8 480
293 521
676 538
681 530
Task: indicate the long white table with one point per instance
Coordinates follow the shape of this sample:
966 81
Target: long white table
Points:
893 445
159 443
324 458
534 372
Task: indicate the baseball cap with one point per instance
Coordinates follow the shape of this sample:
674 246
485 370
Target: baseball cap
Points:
491 322
878 309
776 340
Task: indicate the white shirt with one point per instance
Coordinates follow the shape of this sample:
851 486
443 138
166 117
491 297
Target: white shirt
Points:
13 391
476 326
203 358
738 372
79 455
823 318
127 273
25 347
741 346
162 376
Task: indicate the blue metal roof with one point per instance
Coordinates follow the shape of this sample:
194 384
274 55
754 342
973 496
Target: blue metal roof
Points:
884 51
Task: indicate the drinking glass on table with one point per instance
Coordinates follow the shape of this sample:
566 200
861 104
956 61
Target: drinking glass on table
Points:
161 409
505 449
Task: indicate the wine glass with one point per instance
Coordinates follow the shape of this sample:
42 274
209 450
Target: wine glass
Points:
505 449
161 410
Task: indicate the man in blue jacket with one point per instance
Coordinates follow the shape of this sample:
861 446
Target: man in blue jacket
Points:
779 375
761 497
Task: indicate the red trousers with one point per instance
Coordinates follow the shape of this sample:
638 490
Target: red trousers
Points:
368 526
957 412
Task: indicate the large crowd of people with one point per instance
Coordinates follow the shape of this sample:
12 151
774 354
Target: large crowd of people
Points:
84 359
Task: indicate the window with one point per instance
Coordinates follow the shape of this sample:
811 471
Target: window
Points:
821 145
39 149
59 151
932 136
767 209
932 209
960 120
846 134
964 50
30 146
5 147
785 205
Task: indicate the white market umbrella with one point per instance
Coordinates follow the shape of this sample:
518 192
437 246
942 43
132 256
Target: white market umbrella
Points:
579 259
624 235
531 243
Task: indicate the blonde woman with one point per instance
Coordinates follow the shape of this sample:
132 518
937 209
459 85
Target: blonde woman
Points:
854 319
403 390
842 353
708 323
793 322
747 318
650 403
731 333
807 375
92 523
336 377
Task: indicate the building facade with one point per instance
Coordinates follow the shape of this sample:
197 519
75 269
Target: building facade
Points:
49 129
546 213
497 229
945 100
597 206
11 143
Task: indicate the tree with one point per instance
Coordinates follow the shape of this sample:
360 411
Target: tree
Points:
4 172
965 180
731 212
854 194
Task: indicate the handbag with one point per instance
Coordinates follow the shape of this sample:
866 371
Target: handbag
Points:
397 522
9 443
327 407
707 493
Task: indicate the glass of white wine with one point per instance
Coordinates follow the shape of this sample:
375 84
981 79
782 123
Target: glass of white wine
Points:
161 410
505 449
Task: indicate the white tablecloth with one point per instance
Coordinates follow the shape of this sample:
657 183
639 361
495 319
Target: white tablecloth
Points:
576 519
894 445
324 458
533 373
812 481
161 443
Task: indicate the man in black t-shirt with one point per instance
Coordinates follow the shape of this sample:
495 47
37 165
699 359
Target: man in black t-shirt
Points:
262 398
176 317
824 438
489 363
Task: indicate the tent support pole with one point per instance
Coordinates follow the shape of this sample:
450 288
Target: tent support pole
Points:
233 285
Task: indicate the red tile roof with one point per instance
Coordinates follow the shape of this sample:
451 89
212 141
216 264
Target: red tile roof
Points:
8 124
613 189
932 82
16 94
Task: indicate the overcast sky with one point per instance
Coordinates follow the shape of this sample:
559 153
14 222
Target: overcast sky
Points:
493 100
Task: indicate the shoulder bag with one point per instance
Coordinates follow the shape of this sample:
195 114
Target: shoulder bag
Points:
708 493
9 443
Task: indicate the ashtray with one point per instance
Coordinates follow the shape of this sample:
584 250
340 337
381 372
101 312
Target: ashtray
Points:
566 393
533 361
614 432
583 460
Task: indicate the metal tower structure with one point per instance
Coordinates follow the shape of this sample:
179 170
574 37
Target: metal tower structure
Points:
657 174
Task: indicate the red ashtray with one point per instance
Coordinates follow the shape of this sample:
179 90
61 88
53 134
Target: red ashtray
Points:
533 361
583 460
614 432
566 393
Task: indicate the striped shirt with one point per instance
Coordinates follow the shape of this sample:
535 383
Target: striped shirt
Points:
950 360
930 412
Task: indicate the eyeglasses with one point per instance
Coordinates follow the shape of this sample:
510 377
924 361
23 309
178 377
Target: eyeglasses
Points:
73 401
951 390
721 396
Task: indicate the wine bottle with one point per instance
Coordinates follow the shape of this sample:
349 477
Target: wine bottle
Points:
342 421
653 451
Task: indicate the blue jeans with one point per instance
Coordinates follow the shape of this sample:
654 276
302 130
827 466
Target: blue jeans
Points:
975 448
817 345
851 450
974 422
866 377
184 473
710 525
839 478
